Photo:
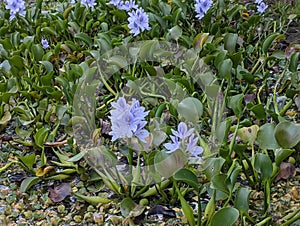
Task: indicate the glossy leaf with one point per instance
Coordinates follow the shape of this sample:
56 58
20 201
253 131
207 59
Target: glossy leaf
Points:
230 41
40 136
28 160
212 167
225 217
188 177
77 157
269 40
235 103
187 210
287 134
225 69
28 183
219 182
263 165
241 201
259 111
266 138
294 62
85 38
282 154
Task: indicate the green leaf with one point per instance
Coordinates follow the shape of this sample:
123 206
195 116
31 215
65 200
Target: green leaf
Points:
225 69
28 160
259 111
77 157
263 165
28 183
37 52
294 62
94 200
235 103
268 42
282 154
17 61
191 109
58 177
48 66
266 138
287 134
212 167
187 209
85 38
48 30
241 201
219 182
188 177
225 217
4 120
40 136
230 41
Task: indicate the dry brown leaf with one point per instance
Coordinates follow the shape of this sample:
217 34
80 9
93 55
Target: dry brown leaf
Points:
60 192
286 171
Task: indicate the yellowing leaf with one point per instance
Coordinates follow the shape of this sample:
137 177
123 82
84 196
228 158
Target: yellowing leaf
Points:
248 134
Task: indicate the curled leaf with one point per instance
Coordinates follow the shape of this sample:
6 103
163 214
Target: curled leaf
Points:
42 170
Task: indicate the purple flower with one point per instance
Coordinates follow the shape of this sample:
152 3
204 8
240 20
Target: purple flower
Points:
201 7
193 148
261 8
182 131
128 5
184 139
117 3
16 7
45 43
128 120
141 133
138 21
173 146
258 1
88 3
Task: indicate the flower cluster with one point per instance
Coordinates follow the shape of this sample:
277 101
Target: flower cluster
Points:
201 7
15 7
138 19
128 120
184 139
88 3
261 6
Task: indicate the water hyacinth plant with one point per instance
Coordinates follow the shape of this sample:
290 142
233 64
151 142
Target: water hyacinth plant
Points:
186 109
15 7
128 120
138 20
